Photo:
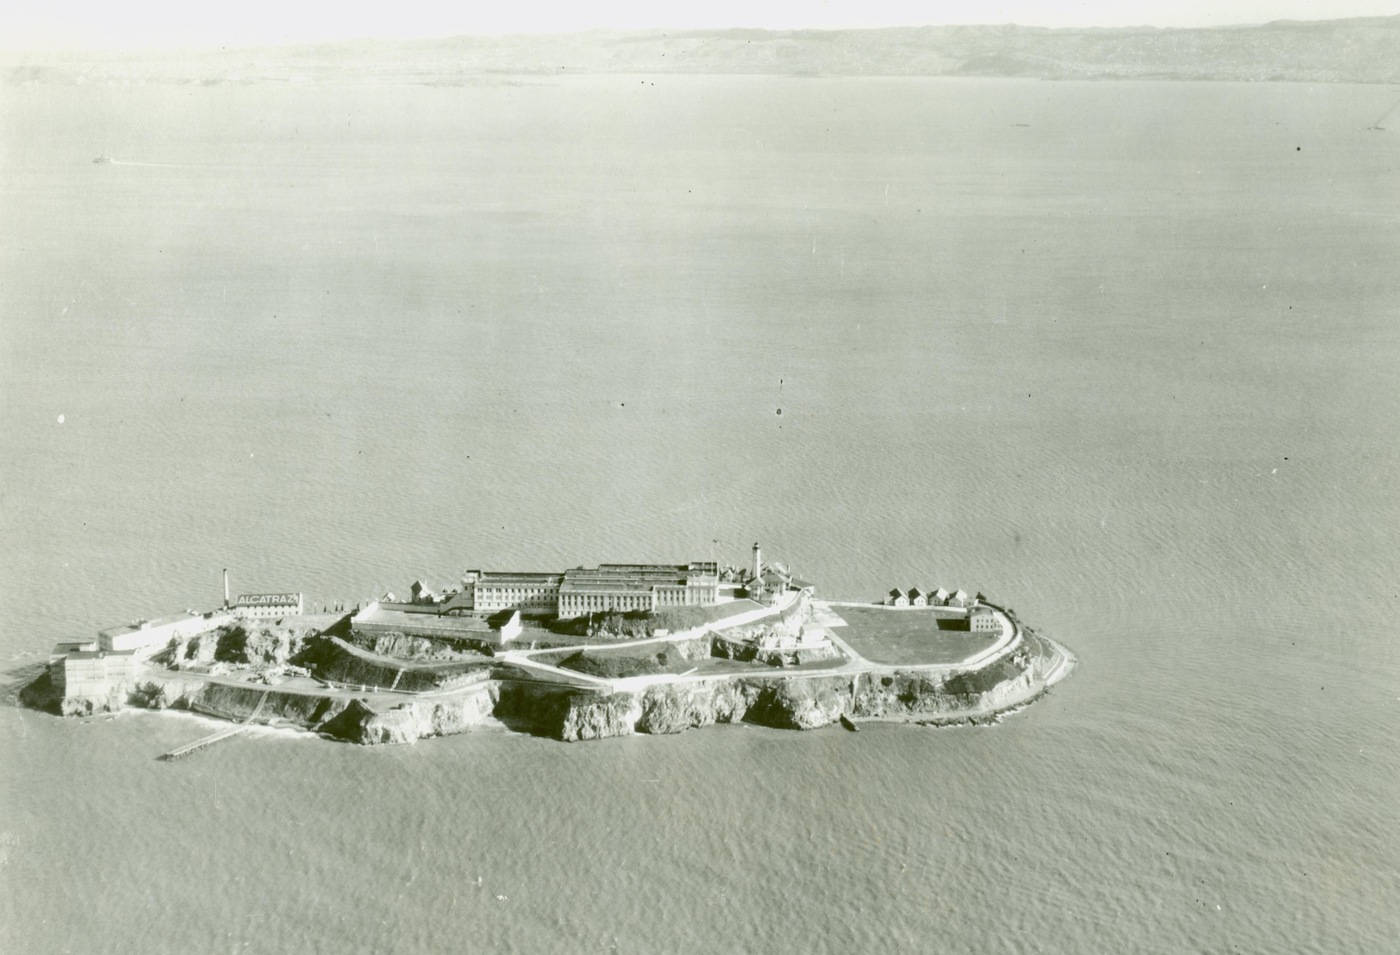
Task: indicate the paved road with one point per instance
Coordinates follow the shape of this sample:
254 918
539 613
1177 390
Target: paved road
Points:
853 664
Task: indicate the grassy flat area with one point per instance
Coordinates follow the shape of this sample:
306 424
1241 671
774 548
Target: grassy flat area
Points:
719 611
907 636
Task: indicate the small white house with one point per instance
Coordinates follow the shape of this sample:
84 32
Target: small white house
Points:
959 598
939 597
897 598
917 598
983 619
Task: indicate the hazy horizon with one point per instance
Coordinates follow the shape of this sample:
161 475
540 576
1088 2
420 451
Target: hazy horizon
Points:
152 27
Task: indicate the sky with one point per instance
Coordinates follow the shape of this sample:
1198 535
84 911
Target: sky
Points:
149 24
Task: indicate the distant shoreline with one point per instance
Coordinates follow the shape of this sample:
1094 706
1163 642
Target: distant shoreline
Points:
1354 50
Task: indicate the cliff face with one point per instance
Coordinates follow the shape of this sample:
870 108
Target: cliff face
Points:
912 695
792 701
680 706
238 703
416 719
596 717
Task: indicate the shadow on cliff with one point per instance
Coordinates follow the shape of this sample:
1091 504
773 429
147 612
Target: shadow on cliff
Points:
29 686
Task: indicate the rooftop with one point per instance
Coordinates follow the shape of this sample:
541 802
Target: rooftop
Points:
147 625
574 584
524 578
98 654
393 616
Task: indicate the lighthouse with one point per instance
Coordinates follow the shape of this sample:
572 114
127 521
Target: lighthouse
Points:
757 561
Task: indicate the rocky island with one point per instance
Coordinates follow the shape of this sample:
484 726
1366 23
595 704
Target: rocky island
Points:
586 653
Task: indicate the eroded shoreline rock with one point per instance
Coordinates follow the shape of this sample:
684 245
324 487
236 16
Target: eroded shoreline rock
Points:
790 701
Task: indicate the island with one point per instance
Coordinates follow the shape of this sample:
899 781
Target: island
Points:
586 653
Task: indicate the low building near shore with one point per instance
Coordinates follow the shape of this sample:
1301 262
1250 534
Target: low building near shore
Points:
959 598
897 598
917 598
148 636
94 674
939 597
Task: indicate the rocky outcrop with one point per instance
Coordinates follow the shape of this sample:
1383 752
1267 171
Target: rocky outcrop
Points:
674 707
413 720
111 702
332 660
409 647
238 703
913 694
41 693
591 716
789 701
801 704
746 650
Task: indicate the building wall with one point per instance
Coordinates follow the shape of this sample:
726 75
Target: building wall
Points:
577 603
157 636
96 675
985 621
532 598
608 587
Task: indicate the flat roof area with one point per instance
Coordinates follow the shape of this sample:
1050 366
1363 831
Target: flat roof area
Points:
441 623
150 624
97 654
523 578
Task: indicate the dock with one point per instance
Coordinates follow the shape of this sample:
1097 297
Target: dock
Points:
180 752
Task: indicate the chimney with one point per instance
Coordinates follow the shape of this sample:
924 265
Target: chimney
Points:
757 561
225 588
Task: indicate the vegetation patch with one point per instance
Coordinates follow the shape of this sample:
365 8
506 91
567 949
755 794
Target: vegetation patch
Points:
980 681
334 663
616 665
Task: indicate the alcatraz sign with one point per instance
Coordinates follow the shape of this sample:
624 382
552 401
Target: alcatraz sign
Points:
267 600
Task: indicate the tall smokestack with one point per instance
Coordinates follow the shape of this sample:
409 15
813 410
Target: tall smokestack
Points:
225 588
757 561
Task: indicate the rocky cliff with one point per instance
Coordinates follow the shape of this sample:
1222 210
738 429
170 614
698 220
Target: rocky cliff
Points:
789 701
415 719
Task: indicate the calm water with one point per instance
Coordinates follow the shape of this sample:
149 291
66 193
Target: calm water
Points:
1123 354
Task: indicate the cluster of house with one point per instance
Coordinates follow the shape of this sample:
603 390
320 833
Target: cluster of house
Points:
981 618
931 598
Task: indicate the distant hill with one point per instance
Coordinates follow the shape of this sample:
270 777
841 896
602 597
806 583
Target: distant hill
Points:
1358 50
